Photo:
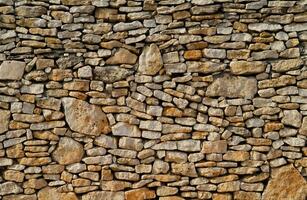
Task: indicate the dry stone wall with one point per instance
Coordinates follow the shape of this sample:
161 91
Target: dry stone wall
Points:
153 99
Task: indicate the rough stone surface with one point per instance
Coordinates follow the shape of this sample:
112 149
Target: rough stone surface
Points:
286 183
150 61
85 118
12 70
233 87
153 99
68 151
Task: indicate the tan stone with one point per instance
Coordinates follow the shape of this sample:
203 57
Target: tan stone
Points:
184 169
224 86
50 193
12 175
4 120
150 61
219 146
236 155
103 195
286 183
277 82
192 55
140 194
242 195
84 117
20 197
35 161
287 65
122 56
247 68
68 151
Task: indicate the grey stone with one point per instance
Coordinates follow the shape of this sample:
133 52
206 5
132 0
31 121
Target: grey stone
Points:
12 70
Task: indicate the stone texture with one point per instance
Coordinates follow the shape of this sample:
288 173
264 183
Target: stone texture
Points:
150 61
247 68
12 70
285 183
111 74
68 151
84 117
224 86
50 193
4 120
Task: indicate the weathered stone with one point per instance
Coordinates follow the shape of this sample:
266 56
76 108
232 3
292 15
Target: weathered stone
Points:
84 117
247 68
259 27
224 86
50 193
4 120
111 74
184 169
68 151
285 183
9 188
150 61
205 67
219 146
287 65
140 194
12 70
122 56
103 195
124 129
236 155
292 118
20 197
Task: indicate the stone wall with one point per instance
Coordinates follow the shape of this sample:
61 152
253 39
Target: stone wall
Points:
153 99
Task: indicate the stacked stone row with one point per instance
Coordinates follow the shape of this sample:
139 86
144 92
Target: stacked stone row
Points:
153 99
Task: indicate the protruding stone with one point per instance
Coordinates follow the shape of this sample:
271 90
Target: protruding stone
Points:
286 183
84 117
150 61
122 56
68 151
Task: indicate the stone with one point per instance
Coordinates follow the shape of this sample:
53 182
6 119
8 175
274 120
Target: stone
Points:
104 195
236 156
68 62
127 26
184 169
124 129
68 151
30 11
214 53
84 117
189 145
10 188
20 197
224 86
287 65
150 61
295 27
205 67
106 142
12 70
281 81
292 118
122 56
259 27
51 193
4 120
111 74
140 194
219 146
285 183
247 68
